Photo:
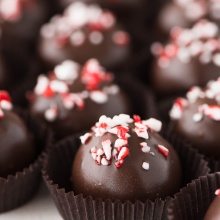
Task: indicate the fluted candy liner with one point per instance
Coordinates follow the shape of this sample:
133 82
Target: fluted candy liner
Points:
57 172
192 202
17 189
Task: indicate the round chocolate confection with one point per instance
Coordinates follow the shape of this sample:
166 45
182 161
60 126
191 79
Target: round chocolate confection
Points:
213 212
191 58
197 118
16 143
72 98
124 158
82 32
21 19
181 13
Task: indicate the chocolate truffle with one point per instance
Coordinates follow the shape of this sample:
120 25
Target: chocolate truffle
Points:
213 212
72 97
124 158
184 13
197 118
82 32
16 143
192 57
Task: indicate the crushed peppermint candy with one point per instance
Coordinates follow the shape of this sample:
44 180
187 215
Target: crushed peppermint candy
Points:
201 41
12 10
217 192
196 9
212 111
193 9
116 152
163 150
56 87
5 103
81 23
146 166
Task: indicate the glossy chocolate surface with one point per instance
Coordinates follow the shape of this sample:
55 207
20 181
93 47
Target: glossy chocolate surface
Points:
131 181
17 150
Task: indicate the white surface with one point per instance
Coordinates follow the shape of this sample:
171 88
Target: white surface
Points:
41 207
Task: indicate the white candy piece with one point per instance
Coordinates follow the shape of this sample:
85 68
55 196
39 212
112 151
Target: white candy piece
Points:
67 71
85 137
146 166
107 149
153 124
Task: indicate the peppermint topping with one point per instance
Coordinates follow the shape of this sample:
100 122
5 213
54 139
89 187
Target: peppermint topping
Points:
120 126
163 150
217 192
177 109
5 103
82 23
11 10
58 85
67 71
85 138
212 111
196 9
201 41
193 9
146 166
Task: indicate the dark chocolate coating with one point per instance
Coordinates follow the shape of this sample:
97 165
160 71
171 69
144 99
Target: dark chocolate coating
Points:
17 149
108 53
76 120
131 181
179 77
204 135
213 212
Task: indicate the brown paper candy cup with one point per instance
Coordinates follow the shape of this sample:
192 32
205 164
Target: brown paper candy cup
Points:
192 202
57 172
17 189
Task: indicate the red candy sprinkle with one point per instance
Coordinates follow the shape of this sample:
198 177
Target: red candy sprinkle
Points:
122 131
163 150
124 152
5 96
49 92
137 118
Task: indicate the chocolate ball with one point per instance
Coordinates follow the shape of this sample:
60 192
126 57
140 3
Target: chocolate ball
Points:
124 158
213 212
16 143
72 98
82 32
190 58
197 118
